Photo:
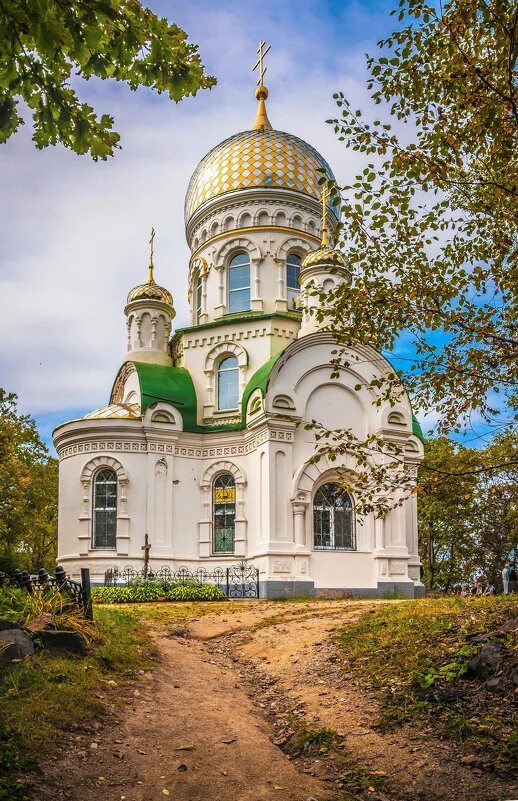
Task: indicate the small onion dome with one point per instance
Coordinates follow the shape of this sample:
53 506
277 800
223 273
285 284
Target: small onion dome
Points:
150 291
323 256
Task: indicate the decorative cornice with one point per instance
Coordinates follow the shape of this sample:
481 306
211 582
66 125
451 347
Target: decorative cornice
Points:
237 232
192 451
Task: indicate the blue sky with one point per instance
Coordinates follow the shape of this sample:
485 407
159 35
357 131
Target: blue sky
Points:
74 233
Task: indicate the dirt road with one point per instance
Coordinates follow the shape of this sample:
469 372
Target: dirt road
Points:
216 718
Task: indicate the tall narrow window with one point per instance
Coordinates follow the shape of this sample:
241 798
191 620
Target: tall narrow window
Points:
228 383
223 513
105 509
333 519
293 263
239 283
199 297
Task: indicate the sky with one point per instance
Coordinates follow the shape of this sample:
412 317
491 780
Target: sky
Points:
74 233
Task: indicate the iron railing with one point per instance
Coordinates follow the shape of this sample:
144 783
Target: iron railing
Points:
77 592
236 581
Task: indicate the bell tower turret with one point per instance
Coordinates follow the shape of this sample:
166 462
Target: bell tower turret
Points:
321 271
149 314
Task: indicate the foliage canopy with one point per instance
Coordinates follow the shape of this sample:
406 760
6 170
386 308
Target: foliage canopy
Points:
42 42
430 225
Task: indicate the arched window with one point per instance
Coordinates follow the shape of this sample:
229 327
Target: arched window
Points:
333 519
239 283
293 263
198 298
223 513
228 383
105 509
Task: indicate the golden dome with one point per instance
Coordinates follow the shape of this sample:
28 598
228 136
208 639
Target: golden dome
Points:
261 157
324 255
150 291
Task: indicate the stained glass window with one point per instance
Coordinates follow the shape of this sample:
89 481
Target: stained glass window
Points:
293 263
239 284
333 519
105 509
223 513
228 383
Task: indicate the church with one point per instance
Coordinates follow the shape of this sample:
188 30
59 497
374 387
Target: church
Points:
202 452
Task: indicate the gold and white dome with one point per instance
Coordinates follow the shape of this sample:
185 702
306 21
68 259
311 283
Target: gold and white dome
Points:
259 158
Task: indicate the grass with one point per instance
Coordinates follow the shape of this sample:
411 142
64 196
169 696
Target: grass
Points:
402 648
44 695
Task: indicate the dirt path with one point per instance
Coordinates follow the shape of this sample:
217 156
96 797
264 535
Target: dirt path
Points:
212 719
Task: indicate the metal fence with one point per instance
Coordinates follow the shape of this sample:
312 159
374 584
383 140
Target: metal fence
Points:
236 581
77 592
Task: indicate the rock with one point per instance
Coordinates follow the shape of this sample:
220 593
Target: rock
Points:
486 662
70 642
493 684
469 759
440 695
14 644
6 625
513 675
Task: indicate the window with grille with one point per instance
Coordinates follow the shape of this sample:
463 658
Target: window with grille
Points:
333 519
223 513
105 509
239 284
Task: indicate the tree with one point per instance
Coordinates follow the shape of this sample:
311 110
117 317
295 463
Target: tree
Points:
445 513
43 41
431 223
28 491
468 516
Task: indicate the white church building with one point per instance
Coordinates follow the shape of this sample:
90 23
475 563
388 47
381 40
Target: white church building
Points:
203 445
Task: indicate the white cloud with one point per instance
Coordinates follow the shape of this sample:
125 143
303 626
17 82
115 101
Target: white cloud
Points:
74 233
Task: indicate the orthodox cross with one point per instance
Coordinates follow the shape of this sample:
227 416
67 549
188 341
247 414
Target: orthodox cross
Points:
146 548
325 196
259 63
151 251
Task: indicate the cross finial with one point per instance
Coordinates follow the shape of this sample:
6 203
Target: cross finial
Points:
151 251
324 196
260 62
261 120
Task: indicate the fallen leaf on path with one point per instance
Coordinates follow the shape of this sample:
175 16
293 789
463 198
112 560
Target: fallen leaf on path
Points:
278 787
182 767
165 792
185 747
232 740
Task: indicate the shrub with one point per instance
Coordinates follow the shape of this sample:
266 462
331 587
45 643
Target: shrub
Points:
195 592
142 592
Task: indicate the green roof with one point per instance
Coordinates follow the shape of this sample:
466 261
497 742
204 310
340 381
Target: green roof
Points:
416 428
170 385
174 385
259 380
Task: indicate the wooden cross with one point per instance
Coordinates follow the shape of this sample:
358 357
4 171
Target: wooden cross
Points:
259 62
146 548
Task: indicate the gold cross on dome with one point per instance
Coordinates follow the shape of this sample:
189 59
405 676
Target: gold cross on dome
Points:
325 196
259 63
151 251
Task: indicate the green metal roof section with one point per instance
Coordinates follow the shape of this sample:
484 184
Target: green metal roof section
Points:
259 380
170 385
416 428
